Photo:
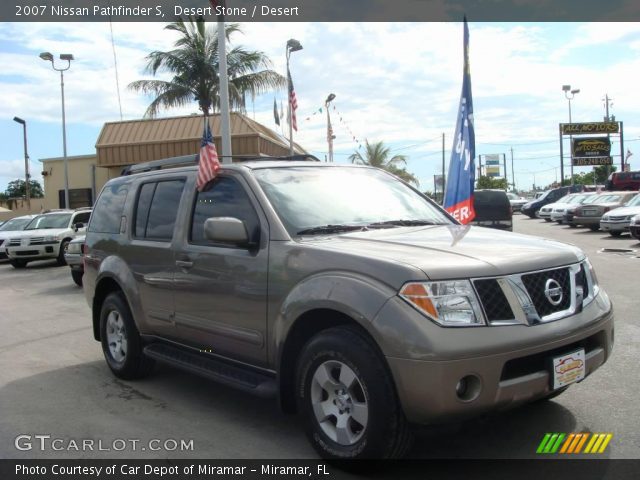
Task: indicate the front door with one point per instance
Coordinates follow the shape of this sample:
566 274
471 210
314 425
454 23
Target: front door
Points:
220 290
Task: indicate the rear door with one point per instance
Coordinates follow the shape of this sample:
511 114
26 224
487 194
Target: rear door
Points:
150 254
221 290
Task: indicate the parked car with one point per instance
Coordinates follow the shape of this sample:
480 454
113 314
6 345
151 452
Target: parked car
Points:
588 215
73 257
623 181
9 228
570 210
550 196
341 291
560 209
546 211
634 227
47 236
493 209
516 201
618 221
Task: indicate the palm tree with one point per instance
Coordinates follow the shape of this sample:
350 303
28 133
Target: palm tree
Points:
377 155
194 65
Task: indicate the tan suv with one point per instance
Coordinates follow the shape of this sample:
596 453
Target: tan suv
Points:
342 291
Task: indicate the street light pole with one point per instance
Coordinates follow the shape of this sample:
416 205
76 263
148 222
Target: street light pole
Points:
330 135
68 57
293 45
27 187
568 91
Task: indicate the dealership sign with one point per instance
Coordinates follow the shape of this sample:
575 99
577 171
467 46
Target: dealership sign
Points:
591 151
586 128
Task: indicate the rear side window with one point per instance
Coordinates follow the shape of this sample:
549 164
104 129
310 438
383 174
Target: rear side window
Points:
224 198
81 218
157 209
108 211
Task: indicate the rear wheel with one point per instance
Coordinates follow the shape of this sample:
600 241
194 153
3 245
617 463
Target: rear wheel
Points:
18 263
347 398
615 234
120 339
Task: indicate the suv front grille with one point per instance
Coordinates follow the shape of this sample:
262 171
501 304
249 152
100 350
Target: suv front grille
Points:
535 297
14 242
494 302
36 241
536 284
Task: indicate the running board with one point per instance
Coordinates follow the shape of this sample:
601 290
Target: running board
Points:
219 371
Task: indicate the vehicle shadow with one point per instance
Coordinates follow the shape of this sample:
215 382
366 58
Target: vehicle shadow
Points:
87 401
42 264
514 433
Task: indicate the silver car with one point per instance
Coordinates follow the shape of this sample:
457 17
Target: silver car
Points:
617 222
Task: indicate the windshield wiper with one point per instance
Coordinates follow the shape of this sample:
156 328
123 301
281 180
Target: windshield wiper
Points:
402 223
331 229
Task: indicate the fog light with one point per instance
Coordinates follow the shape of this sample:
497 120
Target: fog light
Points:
468 388
48 249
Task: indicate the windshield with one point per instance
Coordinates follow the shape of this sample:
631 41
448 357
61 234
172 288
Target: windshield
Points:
15 224
634 202
310 197
60 220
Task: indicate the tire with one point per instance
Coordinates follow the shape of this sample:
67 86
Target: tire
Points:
571 225
120 339
615 234
547 220
344 359
18 263
63 248
594 228
77 277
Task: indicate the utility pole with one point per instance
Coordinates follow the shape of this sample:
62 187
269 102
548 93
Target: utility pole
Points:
513 173
443 177
607 101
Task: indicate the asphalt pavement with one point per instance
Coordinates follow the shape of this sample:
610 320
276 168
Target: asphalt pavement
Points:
54 382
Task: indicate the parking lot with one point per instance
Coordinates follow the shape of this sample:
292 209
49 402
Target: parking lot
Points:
54 381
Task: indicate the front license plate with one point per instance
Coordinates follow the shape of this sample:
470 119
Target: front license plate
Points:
568 369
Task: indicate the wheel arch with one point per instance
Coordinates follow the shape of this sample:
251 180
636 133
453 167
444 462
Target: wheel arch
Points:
104 287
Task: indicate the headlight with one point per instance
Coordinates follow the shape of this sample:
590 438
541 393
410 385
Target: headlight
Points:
451 303
592 278
635 220
74 248
605 218
50 238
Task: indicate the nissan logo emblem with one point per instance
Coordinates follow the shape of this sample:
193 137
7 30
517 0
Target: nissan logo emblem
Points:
553 292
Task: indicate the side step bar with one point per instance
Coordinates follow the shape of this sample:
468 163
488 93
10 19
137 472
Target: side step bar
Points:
219 371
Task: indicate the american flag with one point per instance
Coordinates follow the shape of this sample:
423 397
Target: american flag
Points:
293 103
208 165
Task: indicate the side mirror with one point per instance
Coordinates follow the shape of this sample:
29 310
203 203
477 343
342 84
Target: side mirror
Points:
78 226
229 230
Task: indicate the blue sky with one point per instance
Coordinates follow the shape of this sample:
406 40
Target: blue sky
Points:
399 83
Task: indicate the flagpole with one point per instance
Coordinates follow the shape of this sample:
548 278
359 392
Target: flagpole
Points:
225 130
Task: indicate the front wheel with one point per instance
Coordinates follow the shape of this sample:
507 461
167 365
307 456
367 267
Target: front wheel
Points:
121 343
18 263
594 228
615 234
63 248
347 398
77 277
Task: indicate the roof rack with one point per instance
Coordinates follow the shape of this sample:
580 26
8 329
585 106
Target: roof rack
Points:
187 160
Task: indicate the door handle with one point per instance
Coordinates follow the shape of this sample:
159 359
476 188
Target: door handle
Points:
184 264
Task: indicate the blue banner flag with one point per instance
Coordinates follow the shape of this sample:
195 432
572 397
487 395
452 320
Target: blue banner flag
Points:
458 197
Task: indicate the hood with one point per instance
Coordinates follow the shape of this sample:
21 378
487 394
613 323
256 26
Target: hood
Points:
455 251
10 234
41 232
623 211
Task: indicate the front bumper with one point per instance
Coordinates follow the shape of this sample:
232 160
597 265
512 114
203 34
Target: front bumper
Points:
33 252
510 363
622 226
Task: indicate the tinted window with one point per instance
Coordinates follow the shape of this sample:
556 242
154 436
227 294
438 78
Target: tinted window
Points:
142 209
162 211
224 198
108 211
82 217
